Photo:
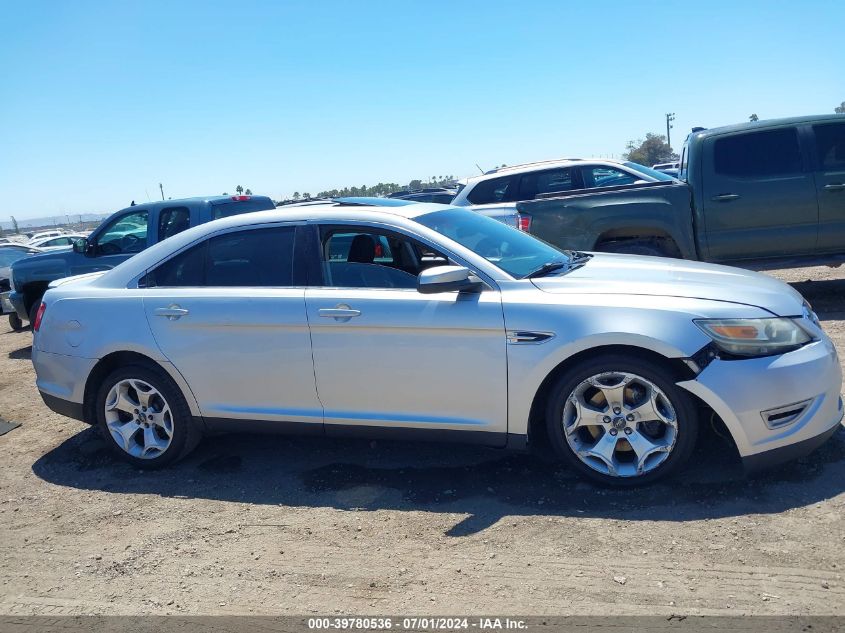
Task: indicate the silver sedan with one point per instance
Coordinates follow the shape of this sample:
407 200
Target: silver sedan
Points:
432 322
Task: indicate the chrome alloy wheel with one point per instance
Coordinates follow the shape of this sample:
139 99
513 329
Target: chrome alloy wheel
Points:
620 424
139 418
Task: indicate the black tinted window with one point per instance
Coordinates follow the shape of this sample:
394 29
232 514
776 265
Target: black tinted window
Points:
494 190
758 154
173 220
260 257
548 181
830 145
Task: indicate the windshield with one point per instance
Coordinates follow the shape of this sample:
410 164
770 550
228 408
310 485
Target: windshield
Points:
648 171
515 252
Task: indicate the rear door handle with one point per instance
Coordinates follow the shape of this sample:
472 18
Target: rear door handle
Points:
171 312
725 197
341 313
835 186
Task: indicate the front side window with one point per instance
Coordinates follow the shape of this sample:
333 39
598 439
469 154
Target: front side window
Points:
494 190
758 154
830 145
515 252
59 241
126 234
254 258
369 258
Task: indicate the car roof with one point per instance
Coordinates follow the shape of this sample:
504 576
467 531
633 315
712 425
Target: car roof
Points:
540 165
397 215
765 123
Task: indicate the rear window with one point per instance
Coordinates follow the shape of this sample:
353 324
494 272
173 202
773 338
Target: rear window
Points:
227 209
494 190
758 154
830 145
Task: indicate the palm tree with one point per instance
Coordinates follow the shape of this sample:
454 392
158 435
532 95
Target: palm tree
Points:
239 189
248 192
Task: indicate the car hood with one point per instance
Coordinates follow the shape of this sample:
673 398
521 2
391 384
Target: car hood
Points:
657 276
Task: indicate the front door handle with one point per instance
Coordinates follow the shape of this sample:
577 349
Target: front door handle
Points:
835 186
341 312
725 197
172 312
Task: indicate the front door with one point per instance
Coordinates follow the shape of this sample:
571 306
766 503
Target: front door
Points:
123 237
386 355
228 315
830 185
758 199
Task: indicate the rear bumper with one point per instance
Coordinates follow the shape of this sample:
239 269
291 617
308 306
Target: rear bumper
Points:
741 392
61 380
63 407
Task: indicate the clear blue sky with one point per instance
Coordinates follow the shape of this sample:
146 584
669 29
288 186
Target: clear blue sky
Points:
101 101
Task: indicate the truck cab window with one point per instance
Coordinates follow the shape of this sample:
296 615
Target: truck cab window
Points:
126 234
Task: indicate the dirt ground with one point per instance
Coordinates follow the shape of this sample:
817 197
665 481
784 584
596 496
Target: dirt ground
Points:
279 525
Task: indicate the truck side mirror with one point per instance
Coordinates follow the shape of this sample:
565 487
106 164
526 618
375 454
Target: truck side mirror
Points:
81 246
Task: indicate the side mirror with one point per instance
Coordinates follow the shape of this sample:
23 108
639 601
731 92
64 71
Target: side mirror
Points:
447 279
81 246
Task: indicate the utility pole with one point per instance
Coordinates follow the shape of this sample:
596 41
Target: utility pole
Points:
670 116
162 190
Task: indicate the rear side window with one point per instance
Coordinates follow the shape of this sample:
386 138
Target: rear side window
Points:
547 181
173 220
494 190
830 145
242 206
758 154
260 257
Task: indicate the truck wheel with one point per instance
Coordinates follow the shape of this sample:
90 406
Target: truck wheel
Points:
652 247
15 322
621 420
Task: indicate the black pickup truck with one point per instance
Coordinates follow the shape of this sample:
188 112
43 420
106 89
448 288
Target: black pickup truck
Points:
122 235
761 195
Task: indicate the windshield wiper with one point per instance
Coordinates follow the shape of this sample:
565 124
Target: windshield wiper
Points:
548 267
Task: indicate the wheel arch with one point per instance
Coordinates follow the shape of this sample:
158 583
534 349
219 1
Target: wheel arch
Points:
112 361
537 437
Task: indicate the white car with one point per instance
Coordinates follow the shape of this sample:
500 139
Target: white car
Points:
45 234
56 242
430 321
496 192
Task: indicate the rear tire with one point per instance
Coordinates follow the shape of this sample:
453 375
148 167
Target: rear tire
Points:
15 322
144 417
621 420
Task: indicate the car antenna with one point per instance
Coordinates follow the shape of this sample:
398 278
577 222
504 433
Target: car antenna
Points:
479 168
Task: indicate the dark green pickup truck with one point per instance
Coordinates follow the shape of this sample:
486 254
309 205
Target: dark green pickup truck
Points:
767 194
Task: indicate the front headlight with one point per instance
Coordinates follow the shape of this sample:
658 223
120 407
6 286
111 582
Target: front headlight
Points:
755 337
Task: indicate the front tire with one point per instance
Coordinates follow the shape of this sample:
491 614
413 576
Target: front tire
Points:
621 420
144 417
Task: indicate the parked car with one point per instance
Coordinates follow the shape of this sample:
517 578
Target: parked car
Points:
118 238
56 242
667 167
762 195
483 334
441 195
10 253
496 192
33 237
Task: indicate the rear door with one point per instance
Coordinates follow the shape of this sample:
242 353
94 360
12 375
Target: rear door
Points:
229 313
829 173
758 196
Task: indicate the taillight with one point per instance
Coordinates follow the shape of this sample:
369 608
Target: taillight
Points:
523 222
39 316
241 198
